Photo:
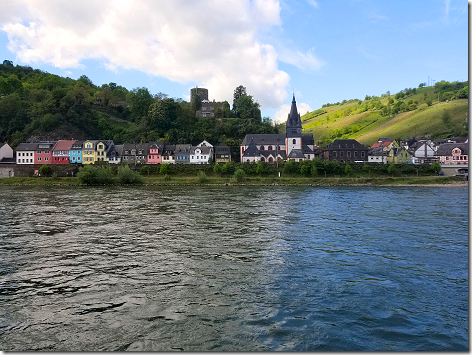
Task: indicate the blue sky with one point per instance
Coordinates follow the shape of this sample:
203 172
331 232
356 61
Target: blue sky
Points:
323 51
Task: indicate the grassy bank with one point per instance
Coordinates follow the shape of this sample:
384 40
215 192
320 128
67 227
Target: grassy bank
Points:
288 181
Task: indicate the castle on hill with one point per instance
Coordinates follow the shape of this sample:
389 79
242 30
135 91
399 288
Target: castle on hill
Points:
293 145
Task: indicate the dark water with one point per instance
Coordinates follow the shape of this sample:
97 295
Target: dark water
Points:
233 268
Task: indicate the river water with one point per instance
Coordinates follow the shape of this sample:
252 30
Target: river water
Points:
233 268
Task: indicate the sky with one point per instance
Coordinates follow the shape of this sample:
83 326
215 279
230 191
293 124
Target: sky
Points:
321 51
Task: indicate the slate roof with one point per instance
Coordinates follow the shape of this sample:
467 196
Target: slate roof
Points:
204 149
377 151
307 138
296 154
27 147
345 144
264 139
77 145
446 148
251 150
222 148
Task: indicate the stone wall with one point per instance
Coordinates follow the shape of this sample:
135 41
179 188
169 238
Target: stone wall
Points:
62 170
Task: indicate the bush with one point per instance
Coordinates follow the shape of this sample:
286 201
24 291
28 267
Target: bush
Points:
202 177
145 170
91 175
44 170
128 177
164 169
240 175
54 176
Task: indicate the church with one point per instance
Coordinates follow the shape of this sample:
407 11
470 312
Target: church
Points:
293 145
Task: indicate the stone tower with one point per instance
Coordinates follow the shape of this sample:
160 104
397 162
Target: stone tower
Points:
203 93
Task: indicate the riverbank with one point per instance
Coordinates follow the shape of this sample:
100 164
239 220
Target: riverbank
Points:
451 181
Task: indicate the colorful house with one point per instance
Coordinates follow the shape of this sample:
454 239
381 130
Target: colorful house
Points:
182 153
155 153
61 152
76 152
453 154
43 153
114 154
399 156
88 152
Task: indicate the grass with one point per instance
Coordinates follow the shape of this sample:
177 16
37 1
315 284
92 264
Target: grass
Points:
424 121
253 180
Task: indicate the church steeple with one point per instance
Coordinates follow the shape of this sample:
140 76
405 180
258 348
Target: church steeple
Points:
294 122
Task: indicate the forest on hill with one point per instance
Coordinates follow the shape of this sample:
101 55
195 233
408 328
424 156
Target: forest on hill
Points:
35 105
434 112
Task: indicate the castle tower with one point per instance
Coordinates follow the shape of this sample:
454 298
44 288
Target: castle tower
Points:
293 126
201 92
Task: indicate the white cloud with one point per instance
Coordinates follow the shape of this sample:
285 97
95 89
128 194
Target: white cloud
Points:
282 113
313 3
213 42
305 61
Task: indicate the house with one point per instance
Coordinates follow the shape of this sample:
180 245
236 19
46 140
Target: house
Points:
453 154
114 154
76 152
377 155
201 153
88 152
25 153
397 155
293 145
43 153
102 151
168 154
61 152
155 151
222 153
6 154
422 152
182 153
134 153
346 151
385 143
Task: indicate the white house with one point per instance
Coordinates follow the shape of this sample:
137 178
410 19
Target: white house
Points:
6 152
201 153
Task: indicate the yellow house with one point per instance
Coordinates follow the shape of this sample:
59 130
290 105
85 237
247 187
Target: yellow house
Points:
100 154
398 156
88 152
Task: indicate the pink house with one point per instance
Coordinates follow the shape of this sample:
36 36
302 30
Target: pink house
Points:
155 153
61 152
43 153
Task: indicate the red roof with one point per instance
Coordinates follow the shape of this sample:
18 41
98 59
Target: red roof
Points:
63 145
381 144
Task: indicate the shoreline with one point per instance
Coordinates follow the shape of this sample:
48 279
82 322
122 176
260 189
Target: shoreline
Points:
429 181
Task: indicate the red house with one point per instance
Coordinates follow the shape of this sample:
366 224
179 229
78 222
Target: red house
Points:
155 153
61 152
43 153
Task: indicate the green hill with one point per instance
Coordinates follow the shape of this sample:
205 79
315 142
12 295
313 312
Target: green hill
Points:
434 112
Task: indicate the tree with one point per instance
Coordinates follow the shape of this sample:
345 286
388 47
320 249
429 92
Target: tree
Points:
240 175
422 85
392 169
436 167
446 118
238 92
164 169
347 169
44 170
85 80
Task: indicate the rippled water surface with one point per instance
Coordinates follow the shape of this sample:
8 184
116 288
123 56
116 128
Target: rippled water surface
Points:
233 268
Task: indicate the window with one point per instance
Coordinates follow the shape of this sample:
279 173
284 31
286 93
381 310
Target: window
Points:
341 154
355 154
294 141
269 147
362 154
335 154
39 159
261 148
348 154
